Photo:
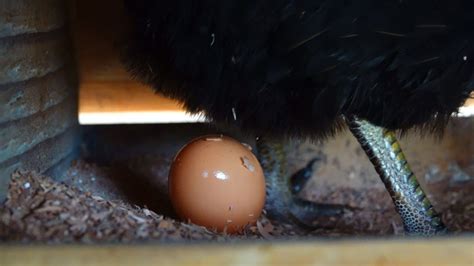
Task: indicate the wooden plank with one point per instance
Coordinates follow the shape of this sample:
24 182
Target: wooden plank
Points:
468 108
122 102
470 102
108 95
22 135
41 158
363 252
26 98
30 16
116 96
31 56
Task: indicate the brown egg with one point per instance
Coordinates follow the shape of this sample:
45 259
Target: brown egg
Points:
217 182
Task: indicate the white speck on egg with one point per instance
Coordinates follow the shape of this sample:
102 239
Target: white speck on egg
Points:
214 139
247 146
220 175
247 164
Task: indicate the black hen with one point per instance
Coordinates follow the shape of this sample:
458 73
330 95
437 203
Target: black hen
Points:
294 67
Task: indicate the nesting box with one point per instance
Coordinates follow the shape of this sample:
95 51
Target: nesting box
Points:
105 181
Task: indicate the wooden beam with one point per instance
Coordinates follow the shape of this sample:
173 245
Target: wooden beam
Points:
107 93
127 102
456 251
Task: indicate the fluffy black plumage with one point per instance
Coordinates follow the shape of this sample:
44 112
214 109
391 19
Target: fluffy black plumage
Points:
295 67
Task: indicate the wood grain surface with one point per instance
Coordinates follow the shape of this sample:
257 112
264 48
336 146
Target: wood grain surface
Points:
363 252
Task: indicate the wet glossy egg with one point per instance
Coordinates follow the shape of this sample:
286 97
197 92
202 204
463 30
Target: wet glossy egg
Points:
217 182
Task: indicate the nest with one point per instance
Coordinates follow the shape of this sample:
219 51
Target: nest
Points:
40 209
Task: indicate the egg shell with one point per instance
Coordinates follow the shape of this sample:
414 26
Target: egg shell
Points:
217 182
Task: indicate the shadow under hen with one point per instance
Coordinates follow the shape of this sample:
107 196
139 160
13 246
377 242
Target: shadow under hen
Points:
302 69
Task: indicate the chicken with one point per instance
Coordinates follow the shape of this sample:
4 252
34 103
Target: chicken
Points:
284 68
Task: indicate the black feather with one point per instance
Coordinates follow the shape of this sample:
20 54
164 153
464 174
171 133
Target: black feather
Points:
295 67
